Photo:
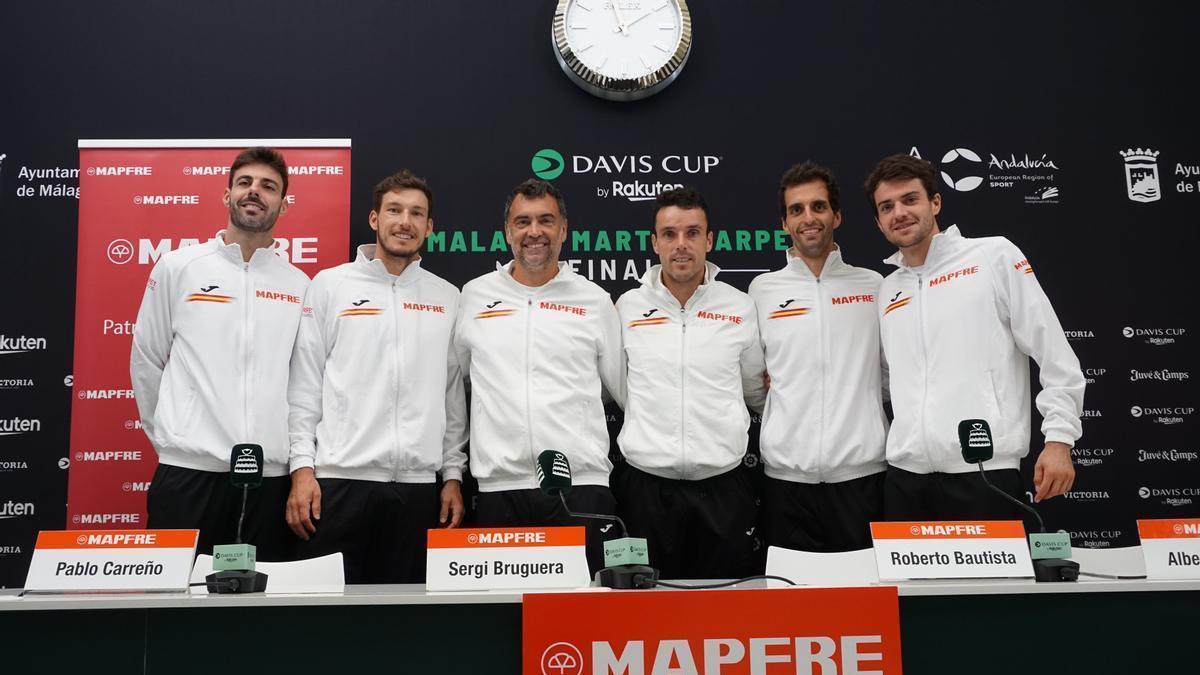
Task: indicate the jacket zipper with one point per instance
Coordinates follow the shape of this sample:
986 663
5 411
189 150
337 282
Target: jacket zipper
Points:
821 382
247 338
396 379
924 373
682 392
528 403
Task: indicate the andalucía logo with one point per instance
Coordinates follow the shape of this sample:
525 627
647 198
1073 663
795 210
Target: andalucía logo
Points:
966 183
547 164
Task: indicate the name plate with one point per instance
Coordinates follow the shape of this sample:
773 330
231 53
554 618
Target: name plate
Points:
1171 547
951 550
506 558
112 560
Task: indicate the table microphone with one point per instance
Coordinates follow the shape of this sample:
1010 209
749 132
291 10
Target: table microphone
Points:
554 479
975 441
235 562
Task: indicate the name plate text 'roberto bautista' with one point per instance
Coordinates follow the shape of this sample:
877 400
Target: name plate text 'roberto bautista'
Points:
951 550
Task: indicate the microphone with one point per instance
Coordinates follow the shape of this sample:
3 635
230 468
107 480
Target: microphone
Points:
553 473
626 559
975 441
235 562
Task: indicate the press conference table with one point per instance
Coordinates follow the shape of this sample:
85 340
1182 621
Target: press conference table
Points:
1004 626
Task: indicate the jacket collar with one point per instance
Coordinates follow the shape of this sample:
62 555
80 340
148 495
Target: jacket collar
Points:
833 262
652 282
233 252
367 261
942 243
505 273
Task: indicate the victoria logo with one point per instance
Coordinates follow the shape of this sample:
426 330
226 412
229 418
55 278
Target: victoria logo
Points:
562 658
120 251
1141 175
966 183
547 164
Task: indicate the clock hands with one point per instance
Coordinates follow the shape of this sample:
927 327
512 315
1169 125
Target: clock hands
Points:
626 26
620 19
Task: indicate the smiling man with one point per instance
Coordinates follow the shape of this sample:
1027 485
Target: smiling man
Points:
210 365
377 402
539 343
694 364
823 433
959 320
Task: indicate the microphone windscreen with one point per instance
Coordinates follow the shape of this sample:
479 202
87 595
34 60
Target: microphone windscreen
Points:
246 465
553 473
975 440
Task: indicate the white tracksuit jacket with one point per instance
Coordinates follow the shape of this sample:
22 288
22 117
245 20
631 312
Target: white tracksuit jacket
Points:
210 354
690 373
537 359
824 421
957 334
376 393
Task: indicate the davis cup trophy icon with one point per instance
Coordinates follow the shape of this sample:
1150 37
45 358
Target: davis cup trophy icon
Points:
1141 175
562 658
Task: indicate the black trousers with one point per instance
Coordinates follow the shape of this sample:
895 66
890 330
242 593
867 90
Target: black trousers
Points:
951 496
181 498
695 529
526 508
822 517
380 529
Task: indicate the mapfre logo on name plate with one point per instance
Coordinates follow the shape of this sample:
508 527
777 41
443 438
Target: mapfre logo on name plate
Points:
951 550
111 560
735 632
506 558
1171 547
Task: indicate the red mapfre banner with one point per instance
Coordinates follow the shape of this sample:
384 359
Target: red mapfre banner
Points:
138 200
772 632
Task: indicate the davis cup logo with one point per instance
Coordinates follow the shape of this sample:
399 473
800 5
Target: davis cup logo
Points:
1144 492
1136 411
547 164
562 658
120 251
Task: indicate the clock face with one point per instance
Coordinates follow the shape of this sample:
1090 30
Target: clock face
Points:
623 39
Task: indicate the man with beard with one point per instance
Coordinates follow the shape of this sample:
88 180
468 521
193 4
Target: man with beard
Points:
959 320
694 363
368 433
823 431
210 365
539 342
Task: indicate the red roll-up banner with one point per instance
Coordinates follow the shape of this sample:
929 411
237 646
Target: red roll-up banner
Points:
139 199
